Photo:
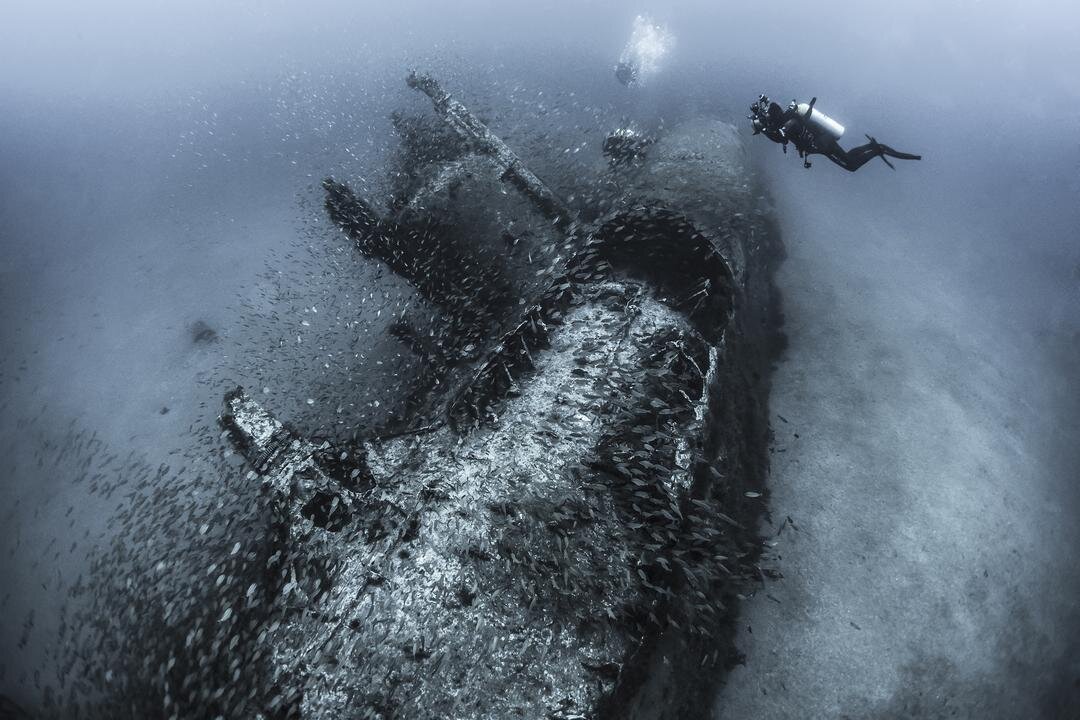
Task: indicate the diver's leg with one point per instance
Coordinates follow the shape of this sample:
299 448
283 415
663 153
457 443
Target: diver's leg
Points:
886 150
853 159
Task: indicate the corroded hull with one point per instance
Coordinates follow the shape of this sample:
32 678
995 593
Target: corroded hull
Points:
561 528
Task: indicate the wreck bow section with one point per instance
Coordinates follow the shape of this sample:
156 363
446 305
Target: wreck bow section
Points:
565 537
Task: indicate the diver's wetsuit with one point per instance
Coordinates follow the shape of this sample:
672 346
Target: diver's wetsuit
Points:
784 126
856 157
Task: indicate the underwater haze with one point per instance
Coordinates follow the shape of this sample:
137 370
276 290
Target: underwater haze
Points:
163 239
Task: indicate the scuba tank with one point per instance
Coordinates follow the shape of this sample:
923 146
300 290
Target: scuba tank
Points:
816 121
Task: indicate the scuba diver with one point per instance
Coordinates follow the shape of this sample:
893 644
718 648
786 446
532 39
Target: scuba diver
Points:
626 73
813 132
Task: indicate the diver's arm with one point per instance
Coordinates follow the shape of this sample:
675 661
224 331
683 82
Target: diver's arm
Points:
791 129
777 136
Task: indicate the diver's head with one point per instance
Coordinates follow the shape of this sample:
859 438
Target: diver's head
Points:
759 113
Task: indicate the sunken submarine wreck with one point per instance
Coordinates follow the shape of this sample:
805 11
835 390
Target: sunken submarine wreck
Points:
562 525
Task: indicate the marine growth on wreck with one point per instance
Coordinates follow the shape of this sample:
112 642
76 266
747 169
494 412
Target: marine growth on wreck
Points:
560 526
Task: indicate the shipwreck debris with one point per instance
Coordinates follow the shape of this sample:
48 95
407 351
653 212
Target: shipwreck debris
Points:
559 516
201 333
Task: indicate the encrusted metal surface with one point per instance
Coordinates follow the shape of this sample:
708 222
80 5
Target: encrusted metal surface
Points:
502 590
560 514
